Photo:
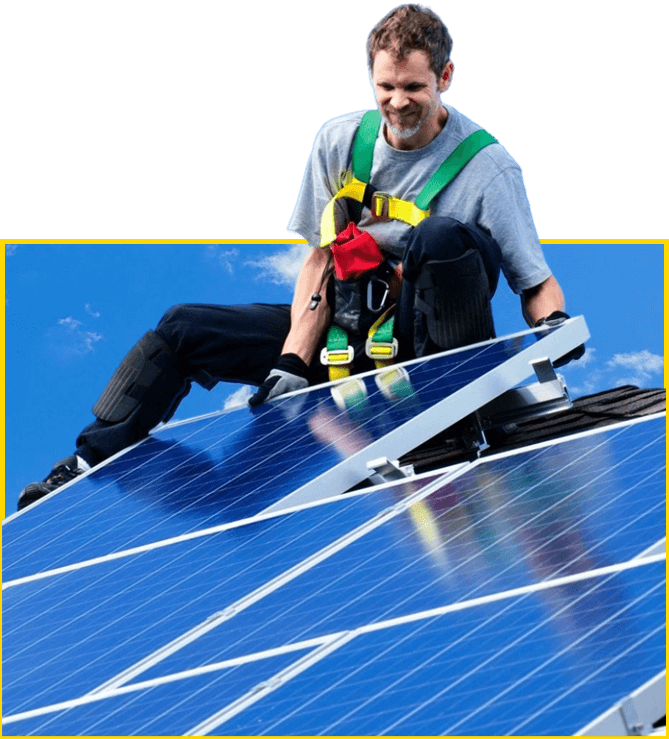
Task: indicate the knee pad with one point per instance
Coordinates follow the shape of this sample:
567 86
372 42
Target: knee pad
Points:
149 366
454 296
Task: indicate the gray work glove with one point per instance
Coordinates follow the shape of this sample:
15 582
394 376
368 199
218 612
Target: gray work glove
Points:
555 319
289 374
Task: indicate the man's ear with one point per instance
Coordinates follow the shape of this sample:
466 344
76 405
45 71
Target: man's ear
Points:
445 78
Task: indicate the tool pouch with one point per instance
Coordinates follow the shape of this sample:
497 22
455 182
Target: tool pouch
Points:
365 284
355 253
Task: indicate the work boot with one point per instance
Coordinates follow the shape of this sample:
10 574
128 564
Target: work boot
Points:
64 471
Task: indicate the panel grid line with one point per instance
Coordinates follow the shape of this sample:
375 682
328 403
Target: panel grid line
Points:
593 674
388 729
263 689
519 593
146 577
216 619
379 585
427 615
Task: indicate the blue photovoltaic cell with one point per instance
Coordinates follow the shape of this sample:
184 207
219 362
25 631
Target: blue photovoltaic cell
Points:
539 664
568 507
484 671
164 710
536 663
564 508
231 465
67 634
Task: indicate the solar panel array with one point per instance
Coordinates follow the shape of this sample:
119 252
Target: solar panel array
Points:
519 594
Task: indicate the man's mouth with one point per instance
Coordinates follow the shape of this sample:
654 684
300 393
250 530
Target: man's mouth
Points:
404 118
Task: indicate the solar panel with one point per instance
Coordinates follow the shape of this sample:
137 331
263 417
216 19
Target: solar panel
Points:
232 465
520 594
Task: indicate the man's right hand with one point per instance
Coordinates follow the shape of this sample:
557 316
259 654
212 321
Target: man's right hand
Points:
289 374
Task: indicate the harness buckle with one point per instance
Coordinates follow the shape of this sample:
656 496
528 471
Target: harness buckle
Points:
380 207
337 357
383 350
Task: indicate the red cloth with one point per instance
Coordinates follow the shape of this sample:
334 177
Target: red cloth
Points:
355 252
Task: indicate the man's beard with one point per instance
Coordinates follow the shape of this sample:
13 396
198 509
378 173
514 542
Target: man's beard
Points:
404 133
407 133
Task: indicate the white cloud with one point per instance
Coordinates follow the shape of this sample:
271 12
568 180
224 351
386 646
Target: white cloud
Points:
284 267
10 249
224 256
238 398
70 339
588 357
90 311
639 368
643 364
69 322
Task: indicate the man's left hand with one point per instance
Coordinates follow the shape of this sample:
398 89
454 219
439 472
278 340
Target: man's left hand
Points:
555 319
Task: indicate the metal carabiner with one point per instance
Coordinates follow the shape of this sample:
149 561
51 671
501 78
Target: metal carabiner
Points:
370 294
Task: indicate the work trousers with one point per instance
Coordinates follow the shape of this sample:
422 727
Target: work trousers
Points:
242 343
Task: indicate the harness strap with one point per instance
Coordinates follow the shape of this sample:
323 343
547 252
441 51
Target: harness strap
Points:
463 153
363 145
383 205
380 346
337 354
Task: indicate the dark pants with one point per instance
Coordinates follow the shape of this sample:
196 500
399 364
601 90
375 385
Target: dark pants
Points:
438 239
242 343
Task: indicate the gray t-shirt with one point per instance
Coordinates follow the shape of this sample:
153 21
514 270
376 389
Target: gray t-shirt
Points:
488 193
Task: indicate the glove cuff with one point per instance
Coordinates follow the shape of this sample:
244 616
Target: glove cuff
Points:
555 318
293 364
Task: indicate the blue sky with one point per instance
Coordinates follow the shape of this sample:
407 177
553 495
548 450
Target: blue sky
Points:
72 311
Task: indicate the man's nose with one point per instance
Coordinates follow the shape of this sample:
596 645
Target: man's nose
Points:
399 99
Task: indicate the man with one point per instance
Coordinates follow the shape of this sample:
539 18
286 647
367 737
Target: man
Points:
480 222
441 270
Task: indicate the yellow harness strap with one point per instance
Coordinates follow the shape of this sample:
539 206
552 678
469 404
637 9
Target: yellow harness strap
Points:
384 207
387 207
380 345
337 355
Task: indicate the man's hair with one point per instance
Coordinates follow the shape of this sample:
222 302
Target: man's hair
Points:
410 28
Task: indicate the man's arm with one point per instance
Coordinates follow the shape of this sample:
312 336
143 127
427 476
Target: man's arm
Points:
542 300
545 301
307 326
291 370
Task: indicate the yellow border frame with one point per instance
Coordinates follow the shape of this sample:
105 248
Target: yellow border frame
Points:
6 242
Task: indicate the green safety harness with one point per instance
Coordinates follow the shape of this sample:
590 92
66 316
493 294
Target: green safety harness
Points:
380 344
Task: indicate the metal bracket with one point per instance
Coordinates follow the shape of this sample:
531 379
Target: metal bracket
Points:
631 718
544 370
635 715
386 470
548 395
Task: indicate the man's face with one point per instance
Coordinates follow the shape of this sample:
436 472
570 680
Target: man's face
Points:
407 93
